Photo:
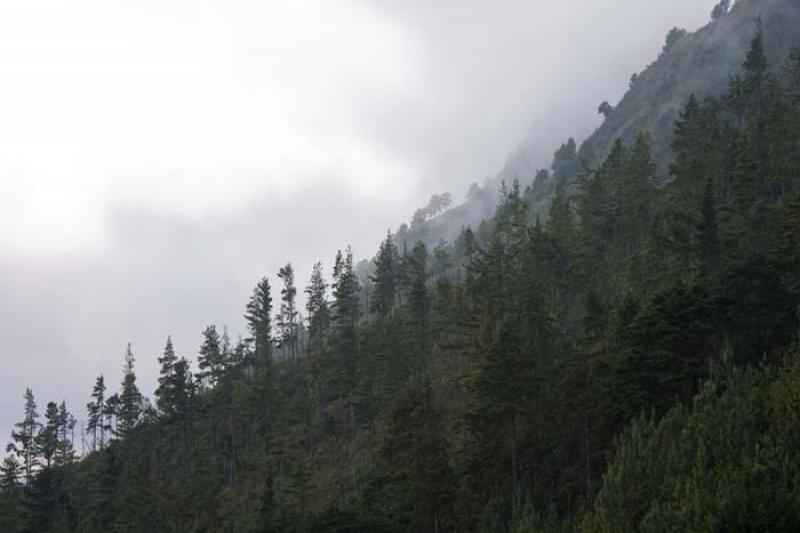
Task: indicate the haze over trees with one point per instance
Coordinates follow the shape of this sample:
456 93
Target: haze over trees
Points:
630 362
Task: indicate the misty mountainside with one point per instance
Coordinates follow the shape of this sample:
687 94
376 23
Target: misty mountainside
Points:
628 362
699 63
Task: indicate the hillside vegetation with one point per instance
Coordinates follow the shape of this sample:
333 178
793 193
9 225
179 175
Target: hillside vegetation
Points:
631 362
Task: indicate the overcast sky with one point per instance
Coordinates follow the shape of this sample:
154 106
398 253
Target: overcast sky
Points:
157 157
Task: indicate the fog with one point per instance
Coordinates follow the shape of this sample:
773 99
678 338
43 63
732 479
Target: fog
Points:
158 157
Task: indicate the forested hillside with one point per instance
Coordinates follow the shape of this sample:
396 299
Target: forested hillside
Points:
630 362
698 63
691 62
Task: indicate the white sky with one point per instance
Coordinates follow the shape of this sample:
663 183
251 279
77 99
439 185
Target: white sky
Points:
157 157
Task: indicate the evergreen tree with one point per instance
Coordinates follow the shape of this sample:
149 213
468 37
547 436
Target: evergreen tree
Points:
317 305
110 415
211 361
10 473
720 9
561 224
418 294
756 71
707 233
674 35
66 425
130 399
259 322
25 444
95 413
164 393
385 277
565 161
442 260
345 291
286 319
47 439
182 394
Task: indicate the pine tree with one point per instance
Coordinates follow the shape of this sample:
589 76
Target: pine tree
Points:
164 394
210 360
442 261
756 71
720 9
10 494
181 389
561 224
259 322
416 490
110 416
319 317
707 238
565 161
345 291
65 453
95 413
25 443
636 193
47 439
10 472
385 277
286 319
418 294
130 406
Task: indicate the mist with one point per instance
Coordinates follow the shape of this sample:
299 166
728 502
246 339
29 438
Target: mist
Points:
158 158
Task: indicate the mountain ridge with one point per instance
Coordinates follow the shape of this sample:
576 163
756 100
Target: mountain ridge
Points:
699 62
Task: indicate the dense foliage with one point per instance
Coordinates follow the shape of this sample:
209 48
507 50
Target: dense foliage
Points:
629 363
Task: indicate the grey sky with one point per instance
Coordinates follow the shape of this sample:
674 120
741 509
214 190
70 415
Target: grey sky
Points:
158 157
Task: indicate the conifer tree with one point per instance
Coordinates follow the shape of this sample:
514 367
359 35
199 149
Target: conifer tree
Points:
756 72
10 472
181 389
385 277
130 399
24 437
442 261
210 361
565 161
286 319
707 238
561 224
164 393
345 291
317 305
401 277
96 413
720 9
418 293
110 418
259 322
47 439
66 424
468 244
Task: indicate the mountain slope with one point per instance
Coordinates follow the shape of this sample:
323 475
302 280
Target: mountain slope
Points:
699 63
629 364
